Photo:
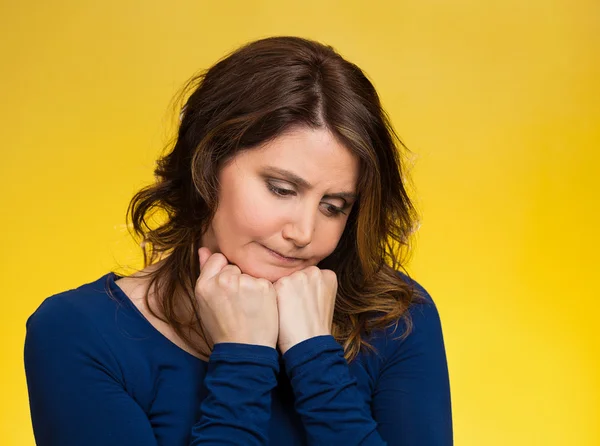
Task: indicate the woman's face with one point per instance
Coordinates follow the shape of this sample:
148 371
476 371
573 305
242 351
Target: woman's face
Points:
283 206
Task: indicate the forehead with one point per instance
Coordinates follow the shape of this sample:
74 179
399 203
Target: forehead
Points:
313 154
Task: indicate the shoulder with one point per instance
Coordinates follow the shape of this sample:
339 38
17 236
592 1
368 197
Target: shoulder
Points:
68 328
75 307
418 333
423 309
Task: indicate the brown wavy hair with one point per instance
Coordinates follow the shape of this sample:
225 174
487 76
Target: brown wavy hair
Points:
249 97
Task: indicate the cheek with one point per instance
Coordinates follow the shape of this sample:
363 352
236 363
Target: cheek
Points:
327 239
245 210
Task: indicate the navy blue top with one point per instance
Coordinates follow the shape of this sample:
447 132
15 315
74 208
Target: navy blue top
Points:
98 373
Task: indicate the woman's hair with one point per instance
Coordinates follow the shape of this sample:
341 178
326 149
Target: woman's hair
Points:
246 99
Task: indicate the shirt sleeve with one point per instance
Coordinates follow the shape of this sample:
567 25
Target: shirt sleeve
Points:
411 400
237 409
78 396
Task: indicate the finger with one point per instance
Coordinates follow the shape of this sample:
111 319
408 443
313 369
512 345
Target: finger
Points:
266 285
231 269
329 275
215 263
204 253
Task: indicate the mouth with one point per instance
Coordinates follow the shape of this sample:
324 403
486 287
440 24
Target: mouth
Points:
281 257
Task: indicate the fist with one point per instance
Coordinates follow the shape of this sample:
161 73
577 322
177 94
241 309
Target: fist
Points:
306 301
235 307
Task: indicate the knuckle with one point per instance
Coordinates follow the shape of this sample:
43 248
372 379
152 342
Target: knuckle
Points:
312 271
284 282
328 274
279 284
219 256
263 283
245 281
233 269
301 273
225 280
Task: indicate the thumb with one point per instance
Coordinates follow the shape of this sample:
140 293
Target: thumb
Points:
204 253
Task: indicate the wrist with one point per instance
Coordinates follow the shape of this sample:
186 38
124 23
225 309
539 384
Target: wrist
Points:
285 345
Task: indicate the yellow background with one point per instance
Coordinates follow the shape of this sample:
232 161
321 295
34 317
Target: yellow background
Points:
498 100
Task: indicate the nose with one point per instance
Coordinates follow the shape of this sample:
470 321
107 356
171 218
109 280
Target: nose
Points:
301 228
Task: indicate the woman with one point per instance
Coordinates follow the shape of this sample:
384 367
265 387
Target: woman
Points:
270 309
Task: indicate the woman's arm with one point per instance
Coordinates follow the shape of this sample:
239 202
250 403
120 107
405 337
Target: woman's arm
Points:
237 409
411 401
78 396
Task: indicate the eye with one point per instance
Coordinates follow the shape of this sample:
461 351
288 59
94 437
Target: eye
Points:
330 209
280 191
333 211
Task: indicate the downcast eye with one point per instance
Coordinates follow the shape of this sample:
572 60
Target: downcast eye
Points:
280 191
332 210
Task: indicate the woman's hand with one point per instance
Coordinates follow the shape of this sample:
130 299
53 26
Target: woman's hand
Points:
305 300
235 307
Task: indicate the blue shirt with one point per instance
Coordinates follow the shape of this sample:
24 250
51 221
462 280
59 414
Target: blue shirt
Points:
98 373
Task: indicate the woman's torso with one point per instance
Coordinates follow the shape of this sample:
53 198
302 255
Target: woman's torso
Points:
165 378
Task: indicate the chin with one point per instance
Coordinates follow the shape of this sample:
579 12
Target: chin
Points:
271 273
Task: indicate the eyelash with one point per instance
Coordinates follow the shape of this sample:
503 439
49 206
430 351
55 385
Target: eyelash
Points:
334 211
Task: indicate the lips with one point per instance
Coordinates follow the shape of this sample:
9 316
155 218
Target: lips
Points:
281 255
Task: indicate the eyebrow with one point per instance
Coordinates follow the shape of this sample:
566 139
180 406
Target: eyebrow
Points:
303 184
